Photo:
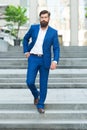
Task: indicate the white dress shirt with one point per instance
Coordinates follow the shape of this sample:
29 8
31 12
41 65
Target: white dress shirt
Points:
37 49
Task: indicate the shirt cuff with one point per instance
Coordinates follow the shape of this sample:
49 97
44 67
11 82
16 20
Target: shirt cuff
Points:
26 53
55 61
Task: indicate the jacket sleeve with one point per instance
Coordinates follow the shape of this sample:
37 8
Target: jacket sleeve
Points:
56 47
26 40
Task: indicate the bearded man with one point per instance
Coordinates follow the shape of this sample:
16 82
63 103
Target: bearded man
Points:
37 45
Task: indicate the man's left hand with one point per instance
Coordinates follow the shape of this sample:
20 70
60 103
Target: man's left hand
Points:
53 65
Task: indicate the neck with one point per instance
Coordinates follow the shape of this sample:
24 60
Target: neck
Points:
44 28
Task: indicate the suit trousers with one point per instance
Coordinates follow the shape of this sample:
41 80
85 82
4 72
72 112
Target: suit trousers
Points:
35 65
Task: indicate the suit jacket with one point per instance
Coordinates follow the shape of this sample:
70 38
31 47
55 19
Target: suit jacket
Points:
50 42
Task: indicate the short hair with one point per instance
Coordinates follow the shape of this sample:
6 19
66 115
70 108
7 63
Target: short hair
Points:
44 12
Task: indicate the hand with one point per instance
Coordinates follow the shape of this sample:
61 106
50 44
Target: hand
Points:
27 54
53 65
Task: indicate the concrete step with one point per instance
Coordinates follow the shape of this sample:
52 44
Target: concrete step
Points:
65 111
49 115
60 78
72 63
70 51
63 98
62 54
43 125
50 85
73 51
52 73
55 96
12 76
79 107
12 54
7 63
51 80
49 120
53 83
62 48
21 63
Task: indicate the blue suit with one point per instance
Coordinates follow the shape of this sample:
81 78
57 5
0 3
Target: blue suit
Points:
41 64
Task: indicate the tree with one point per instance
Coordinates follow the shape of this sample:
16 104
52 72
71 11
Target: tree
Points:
15 17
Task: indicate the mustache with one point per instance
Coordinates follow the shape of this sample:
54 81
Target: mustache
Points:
43 21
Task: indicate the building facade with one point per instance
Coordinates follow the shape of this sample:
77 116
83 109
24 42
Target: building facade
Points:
67 16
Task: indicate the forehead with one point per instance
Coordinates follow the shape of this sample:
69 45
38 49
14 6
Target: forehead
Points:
44 15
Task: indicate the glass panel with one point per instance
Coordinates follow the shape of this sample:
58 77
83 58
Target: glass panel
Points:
82 23
60 19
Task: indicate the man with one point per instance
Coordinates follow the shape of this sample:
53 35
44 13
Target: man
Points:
38 52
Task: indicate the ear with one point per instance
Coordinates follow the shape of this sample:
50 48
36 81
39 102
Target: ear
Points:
49 18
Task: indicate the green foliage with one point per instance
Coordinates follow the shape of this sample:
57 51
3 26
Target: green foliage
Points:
16 17
86 12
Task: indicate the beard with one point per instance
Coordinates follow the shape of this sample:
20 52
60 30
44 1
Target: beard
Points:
44 24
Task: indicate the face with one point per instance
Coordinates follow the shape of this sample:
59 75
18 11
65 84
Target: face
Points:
44 20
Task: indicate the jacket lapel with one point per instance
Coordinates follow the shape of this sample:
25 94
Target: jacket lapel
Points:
37 31
47 34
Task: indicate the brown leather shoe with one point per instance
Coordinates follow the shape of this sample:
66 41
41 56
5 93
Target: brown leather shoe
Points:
36 101
41 110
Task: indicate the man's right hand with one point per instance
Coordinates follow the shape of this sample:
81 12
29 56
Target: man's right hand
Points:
27 54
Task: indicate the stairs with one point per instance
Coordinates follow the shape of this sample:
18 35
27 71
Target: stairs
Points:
66 104
17 110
